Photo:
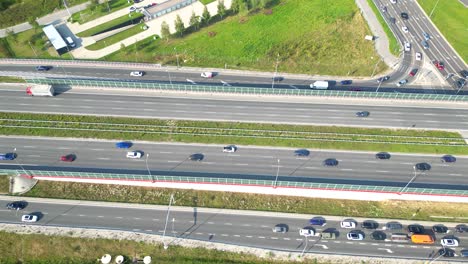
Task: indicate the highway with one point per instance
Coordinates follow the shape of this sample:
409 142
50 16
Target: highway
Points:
224 226
243 110
248 162
418 22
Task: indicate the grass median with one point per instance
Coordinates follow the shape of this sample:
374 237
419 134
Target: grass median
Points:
110 24
414 210
116 38
96 11
393 43
11 79
300 136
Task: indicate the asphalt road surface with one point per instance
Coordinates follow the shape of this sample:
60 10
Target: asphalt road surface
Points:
247 162
227 227
70 102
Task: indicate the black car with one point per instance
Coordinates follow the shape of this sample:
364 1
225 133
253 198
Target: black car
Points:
404 15
196 157
440 229
369 224
383 79
278 78
43 68
378 235
423 166
346 82
382 155
416 229
461 228
301 153
362 114
393 226
448 159
460 82
330 162
446 252
464 73
18 205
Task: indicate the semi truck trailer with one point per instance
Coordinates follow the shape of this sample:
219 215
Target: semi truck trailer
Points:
40 90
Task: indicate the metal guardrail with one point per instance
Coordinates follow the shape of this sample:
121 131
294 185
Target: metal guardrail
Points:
84 63
247 90
234 181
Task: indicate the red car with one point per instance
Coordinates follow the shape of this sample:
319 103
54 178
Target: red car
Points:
439 65
413 72
68 158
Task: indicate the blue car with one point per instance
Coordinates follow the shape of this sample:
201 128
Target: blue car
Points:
346 82
8 156
123 144
320 221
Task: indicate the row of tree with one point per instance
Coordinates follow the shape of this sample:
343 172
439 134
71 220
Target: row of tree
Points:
195 22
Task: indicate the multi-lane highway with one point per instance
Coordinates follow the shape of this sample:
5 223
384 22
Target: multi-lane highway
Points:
418 23
230 227
246 110
248 162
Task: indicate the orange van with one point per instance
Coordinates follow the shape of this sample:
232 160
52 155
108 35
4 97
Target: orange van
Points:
422 239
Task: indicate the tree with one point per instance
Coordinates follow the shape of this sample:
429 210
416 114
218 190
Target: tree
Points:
34 24
165 33
243 6
235 5
11 34
264 3
206 16
221 9
254 4
179 26
194 21
93 5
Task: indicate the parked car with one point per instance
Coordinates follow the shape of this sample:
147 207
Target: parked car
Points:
449 242
461 228
355 235
362 114
134 154
17 205
448 159
29 218
446 253
137 73
280 228
348 223
383 155
423 166
402 82
418 56
207 74
230 149
378 235
8 156
43 68
440 229
369 224
319 221
330 162
393 226
416 229
68 158
413 72
123 144
439 65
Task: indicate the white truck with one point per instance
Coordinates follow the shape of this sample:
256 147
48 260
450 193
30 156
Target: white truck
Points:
40 90
319 85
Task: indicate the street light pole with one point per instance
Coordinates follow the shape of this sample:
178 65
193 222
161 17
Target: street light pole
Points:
177 56
276 71
147 168
65 4
168 73
21 166
305 247
35 54
410 181
171 200
277 174
433 9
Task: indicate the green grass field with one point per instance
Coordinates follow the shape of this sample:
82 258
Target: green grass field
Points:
393 43
301 136
9 79
101 10
109 24
451 18
4 184
116 38
310 36
43 249
245 201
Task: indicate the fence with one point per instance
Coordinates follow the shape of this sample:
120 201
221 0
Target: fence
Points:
246 90
231 181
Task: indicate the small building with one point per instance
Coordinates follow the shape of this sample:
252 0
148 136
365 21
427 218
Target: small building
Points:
165 7
56 39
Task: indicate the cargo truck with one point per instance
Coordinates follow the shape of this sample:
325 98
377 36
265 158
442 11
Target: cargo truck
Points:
320 85
40 90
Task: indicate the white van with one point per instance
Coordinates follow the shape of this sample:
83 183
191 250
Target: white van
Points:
70 42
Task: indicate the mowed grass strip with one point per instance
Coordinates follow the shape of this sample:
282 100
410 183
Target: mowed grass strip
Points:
393 43
120 20
103 9
451 18
414 210
228 132
310 36
41 249
116 38
4 183
11 79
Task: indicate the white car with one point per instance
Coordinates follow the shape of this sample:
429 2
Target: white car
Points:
407 46
354 235
137 73
132 9
449 242
230 149
207 74
348 223
405 29
134 154
307 231
393 1
418 56
402 82
29 218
